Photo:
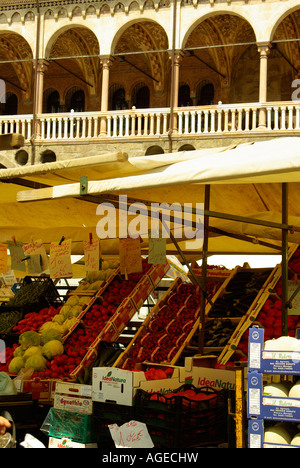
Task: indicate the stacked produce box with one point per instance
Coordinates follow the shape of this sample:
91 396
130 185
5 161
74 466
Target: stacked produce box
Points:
186 417
273 391
69 422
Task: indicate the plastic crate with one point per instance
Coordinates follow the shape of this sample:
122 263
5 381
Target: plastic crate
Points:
182 422
47 295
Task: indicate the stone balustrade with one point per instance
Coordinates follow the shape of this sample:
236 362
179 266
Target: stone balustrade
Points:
197 122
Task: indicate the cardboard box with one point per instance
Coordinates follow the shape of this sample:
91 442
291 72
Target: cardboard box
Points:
270 362
40 389
68 443
256 436
270 407
200 372
113 385
73 397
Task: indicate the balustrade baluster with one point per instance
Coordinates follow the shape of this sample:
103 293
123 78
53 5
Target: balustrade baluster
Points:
180 121
186 122
282 120
291 117
297 126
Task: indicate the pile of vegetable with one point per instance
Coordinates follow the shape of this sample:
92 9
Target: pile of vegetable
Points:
30 293
66 316
34 320
35 351
94 279
8 319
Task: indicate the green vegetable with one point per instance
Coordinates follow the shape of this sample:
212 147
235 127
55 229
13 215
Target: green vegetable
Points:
37 362
75 311
15 365
19 351
31 351
72 301
29 338
8 320
29 293
52 348
51 334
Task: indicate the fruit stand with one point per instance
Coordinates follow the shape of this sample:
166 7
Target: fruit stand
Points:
217 307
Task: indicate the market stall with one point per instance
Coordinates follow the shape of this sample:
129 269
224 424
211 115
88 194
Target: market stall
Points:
244 192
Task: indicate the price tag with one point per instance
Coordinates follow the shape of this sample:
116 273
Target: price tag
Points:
3 258
130 256
40 262
133 434
92 255
157 251
60 260
17 255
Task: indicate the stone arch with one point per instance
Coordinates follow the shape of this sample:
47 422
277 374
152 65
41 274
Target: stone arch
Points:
61 30
281 15
17 74
81 67
288 29
144 36
217 63
211 15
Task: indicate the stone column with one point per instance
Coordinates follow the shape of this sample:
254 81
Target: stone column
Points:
264 51
38 93
106 64
175 79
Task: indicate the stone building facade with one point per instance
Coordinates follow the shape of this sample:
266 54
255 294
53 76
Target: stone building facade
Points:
146 76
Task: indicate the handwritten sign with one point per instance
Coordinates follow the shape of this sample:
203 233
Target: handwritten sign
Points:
92 255
3 258
157 251
34 264
17 255
292 286
40 261
130 256
133 434
60 260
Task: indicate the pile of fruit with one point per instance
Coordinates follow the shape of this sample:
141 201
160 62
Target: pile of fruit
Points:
95 319
87 326
270 315
36 352
94 279
168 328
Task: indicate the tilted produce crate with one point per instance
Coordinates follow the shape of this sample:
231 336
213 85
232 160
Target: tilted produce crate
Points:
132 293
170 325
252 314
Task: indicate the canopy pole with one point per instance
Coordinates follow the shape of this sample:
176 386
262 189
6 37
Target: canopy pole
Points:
284 261
204 270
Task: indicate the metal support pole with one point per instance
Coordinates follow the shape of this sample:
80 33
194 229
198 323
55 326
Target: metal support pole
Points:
204 271
284 261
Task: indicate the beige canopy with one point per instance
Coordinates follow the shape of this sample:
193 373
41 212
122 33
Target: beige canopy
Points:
45 201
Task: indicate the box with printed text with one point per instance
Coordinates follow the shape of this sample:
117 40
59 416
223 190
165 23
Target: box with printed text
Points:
113 385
